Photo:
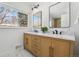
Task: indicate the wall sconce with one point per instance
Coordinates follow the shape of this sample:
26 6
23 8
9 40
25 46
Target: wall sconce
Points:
35 7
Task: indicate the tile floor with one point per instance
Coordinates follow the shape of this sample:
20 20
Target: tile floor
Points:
23 53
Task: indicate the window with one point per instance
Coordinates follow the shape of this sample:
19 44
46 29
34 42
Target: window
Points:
12 17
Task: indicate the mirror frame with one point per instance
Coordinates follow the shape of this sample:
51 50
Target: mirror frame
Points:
40 20
69 14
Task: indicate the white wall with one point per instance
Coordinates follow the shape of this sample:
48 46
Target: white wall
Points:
9 39
12 36
75 27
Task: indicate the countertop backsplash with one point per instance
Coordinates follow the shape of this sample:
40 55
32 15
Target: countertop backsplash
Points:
62 30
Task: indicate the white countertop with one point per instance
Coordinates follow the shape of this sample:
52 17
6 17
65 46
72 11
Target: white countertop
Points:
65 37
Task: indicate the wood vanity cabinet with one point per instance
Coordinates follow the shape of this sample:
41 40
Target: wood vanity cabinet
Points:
60 48
46 46
27 41
36 45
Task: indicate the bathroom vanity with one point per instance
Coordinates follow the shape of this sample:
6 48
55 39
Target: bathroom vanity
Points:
49 45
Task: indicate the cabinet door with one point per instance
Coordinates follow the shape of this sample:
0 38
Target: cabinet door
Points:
45 46
35 45
61 48
27 41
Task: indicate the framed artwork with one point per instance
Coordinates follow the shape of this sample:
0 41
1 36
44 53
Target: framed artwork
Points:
22 19
10 16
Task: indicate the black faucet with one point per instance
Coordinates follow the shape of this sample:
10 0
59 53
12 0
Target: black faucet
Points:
56 31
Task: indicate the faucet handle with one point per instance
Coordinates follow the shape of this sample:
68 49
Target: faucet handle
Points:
60 33
53 32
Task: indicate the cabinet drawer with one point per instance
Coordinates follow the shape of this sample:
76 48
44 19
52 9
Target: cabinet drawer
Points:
35 43
36 40
35 47
36 52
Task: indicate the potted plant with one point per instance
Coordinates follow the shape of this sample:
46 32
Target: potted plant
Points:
44 29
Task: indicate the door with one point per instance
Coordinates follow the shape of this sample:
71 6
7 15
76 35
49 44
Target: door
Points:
45 46
57 23
60 48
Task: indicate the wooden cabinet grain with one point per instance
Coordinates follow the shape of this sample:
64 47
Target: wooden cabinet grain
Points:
36 45
46 46
61 48
27 41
